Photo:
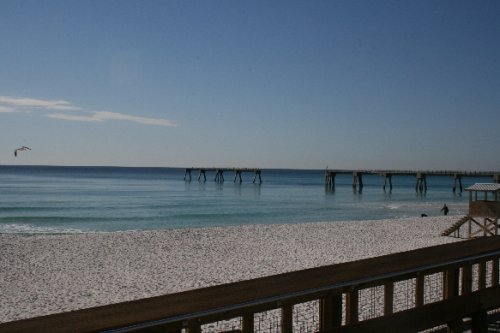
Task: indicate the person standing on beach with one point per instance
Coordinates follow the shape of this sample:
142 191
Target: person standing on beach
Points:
445 209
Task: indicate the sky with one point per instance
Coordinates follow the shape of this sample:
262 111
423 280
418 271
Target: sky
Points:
269 84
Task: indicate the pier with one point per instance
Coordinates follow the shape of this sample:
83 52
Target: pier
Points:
219 174
421 185
420 178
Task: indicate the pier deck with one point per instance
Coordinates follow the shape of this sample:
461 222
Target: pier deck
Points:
420 176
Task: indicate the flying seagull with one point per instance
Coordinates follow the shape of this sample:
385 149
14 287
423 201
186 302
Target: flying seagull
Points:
23 148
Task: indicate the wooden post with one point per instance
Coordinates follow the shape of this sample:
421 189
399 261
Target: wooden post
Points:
450 290
287 318
479 322
495 273
193 326
352 312
330 312
466 279
450 283
419 290
388 298
482 275
248 323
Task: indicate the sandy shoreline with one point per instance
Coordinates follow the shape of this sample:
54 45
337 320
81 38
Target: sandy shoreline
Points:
43 274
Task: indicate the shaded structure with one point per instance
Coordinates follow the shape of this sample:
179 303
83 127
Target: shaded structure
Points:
484 212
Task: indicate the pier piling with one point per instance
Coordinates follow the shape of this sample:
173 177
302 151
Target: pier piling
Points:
330 180
357 181
219 176
237 173
388 178
187 174
202 173
457 178
421 185
257 174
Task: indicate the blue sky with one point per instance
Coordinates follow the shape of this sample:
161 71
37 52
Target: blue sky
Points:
270 84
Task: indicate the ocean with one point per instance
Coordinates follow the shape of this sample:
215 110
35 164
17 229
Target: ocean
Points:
51 199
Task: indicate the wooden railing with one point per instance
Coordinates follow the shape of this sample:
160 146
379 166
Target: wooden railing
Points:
402 292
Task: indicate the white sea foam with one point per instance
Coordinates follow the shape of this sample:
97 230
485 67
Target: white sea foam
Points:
20 228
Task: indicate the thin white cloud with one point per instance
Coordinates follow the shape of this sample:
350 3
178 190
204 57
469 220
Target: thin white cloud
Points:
72 117
101 116
107 115
9 104
7 109
23 102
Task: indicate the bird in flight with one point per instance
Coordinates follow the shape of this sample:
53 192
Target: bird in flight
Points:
23 148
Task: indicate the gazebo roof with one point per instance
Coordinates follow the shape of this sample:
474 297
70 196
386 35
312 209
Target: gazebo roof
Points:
488 187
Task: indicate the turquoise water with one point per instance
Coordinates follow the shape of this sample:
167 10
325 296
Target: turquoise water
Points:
84 199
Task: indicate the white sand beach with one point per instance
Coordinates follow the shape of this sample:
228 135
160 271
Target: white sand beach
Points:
43 274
